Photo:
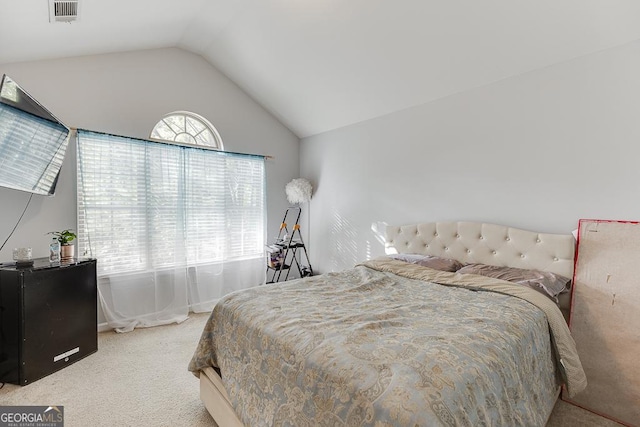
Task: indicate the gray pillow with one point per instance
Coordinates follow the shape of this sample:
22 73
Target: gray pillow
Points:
549 284
431 261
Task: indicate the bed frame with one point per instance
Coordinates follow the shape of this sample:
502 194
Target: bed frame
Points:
467 242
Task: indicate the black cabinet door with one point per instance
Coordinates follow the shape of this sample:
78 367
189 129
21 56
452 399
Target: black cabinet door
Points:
60 321
49 319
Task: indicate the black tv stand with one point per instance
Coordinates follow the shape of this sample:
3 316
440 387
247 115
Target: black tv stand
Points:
48 317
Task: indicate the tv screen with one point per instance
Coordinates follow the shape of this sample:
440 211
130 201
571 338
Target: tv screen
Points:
32 142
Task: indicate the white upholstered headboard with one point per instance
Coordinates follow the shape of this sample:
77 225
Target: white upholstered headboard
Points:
474 242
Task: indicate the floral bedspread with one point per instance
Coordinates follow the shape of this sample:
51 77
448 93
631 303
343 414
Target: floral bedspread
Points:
365 347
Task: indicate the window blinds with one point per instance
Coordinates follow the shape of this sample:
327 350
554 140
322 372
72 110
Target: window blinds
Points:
145 205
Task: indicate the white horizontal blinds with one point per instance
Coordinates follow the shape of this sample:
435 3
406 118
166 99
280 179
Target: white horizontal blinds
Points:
225 206
205 210
165 200
112 207
33 152
145 205
245 205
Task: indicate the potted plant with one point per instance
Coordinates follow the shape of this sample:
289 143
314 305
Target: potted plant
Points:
65 237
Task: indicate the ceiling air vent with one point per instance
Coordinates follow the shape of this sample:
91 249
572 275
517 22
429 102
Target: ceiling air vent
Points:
63 10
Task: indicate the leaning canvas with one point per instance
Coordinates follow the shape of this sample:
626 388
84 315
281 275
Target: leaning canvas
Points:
605 317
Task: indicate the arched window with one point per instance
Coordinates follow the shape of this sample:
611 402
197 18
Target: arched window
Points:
187 128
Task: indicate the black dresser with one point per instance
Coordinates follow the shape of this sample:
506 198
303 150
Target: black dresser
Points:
48 317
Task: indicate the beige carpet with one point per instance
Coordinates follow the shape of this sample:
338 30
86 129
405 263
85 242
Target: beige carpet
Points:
135 379
141 379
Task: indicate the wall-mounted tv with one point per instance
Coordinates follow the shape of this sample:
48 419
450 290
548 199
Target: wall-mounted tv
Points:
32 142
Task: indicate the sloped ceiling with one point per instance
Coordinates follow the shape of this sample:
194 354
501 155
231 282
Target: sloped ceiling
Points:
319 65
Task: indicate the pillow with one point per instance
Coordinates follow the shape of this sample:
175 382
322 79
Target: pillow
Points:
550 284
431 261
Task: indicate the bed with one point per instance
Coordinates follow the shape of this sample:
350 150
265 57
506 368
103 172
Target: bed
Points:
392 342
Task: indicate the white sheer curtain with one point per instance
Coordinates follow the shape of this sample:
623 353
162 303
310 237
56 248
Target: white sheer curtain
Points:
173 228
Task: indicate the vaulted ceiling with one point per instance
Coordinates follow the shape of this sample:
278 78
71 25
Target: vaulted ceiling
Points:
319 65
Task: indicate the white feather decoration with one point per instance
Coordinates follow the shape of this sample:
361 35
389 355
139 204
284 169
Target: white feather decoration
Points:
298 191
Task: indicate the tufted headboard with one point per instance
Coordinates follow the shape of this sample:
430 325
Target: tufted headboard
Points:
474 242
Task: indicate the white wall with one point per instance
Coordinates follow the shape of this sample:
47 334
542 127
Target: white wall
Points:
126 94
537 151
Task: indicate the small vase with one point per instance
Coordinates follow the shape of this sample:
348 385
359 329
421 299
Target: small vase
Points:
67 252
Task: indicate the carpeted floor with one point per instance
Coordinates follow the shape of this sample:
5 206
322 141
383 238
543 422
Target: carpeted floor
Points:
135 379
141 379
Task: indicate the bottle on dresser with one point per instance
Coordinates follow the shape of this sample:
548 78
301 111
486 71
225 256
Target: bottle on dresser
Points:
54 251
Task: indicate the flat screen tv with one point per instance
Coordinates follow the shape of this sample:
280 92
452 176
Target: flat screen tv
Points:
32 142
